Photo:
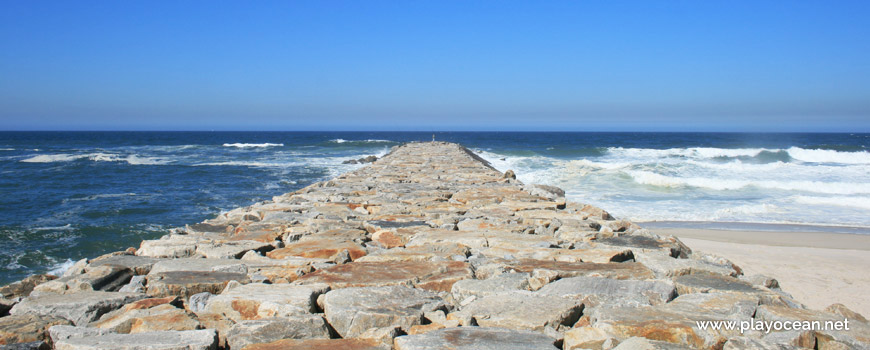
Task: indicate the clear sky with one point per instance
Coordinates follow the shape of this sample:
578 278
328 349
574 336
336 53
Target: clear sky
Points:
435 65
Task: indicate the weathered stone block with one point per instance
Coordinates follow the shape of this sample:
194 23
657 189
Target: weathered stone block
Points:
476 338
256 301
352 311
80 308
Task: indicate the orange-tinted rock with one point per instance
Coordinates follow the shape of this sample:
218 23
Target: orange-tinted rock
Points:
27 328
389 239
318 248
437 276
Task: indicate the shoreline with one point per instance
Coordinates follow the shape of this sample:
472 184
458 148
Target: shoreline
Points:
817 268
826 240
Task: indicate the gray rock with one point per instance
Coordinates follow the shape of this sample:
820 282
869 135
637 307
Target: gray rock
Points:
480 288
197 302
352 311
612 292
200 265
745 343
80 308
250 332
136 285
231 249
705 283
205 339
58 333
476 338
141 265
36 345
521 310
638 343
106 278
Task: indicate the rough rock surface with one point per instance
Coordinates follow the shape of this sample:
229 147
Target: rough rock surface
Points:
428 247
80 308
205 339
352 311
476 338
27 328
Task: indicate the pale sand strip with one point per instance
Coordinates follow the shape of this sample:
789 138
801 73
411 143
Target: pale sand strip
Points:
818 269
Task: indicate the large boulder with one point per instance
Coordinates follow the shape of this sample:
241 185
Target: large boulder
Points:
205 339
505 282
319 344
521 310
148 315
80 308
187 283
476 338
27 328
611 292
437 276
269 330
352 311
256 300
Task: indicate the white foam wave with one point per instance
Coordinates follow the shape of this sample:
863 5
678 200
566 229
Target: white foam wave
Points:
97 157
360 141
59 268
842 201
720 184
253 145
7 149
66 227
693 152
829 156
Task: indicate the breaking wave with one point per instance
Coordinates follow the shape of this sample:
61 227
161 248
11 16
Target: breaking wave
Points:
253 145
96 157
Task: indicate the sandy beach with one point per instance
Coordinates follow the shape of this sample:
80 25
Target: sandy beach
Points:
817 268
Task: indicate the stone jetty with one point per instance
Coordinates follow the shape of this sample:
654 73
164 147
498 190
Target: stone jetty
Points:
427 248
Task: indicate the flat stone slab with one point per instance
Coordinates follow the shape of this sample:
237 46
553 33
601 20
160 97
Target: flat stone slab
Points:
205 339
230 249
521 310
706 283
352 311
419 253
623 270
476 338
80 308
199 265
106 278
319 249
187 283
505 282
148 315
256 300
27 328
269 330
140 265
611 292
430 275
319 344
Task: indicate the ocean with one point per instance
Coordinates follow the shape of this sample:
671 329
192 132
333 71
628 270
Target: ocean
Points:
69 195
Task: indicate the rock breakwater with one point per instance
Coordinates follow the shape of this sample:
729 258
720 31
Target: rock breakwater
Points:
429 247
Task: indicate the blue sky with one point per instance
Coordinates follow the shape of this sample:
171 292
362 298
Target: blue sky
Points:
435 65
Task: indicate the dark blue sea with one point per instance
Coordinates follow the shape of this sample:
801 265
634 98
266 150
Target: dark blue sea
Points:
69 195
